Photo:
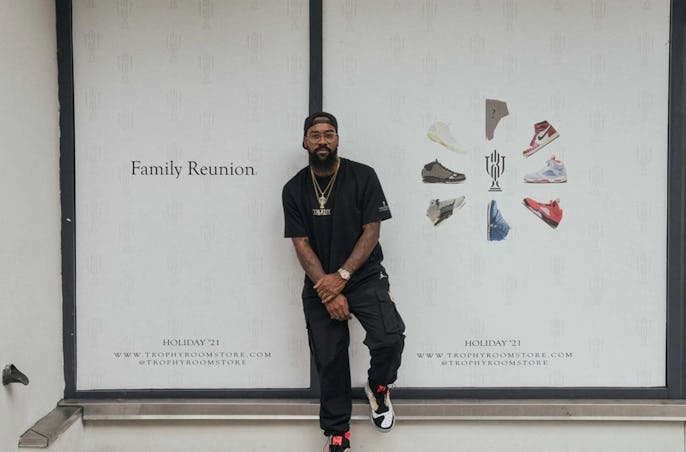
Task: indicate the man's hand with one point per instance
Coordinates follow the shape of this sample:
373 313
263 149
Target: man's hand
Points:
338 308
329 286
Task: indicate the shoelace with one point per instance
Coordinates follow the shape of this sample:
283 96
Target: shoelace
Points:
440 165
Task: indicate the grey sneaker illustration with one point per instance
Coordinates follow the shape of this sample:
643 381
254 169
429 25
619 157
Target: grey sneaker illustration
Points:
435 173
439 211
497 226
495 111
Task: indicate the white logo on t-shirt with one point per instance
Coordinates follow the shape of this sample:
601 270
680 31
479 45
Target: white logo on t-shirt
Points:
384 207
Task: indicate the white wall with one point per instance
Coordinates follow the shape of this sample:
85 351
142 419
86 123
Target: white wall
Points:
30 293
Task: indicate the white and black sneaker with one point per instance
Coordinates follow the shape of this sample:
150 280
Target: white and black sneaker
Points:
382 415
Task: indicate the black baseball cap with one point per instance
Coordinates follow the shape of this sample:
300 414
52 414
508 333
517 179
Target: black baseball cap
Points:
319 117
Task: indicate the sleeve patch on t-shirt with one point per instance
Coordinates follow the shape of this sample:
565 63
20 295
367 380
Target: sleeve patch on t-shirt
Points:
384 207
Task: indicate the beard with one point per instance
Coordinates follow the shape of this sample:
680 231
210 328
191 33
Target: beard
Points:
326 163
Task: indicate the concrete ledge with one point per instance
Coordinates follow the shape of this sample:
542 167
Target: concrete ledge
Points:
49 427
415 410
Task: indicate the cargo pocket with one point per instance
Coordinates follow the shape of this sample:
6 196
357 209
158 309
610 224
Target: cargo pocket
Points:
392 322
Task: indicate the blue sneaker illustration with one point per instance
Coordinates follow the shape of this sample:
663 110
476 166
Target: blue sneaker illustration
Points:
497 226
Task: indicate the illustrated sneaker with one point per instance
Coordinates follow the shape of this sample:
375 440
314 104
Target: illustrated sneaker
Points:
382 415
434 172
495 111
338 443
440 210
553 172
544 133
497 227
440 133
551 213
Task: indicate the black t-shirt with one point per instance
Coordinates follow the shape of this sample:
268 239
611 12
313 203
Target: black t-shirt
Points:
356 199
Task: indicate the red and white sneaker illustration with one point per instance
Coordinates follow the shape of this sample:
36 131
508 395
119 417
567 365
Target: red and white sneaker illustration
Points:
551 212
544 133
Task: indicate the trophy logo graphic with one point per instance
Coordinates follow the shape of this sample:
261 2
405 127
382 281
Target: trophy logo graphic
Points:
207 68
124 9
495 167
92 40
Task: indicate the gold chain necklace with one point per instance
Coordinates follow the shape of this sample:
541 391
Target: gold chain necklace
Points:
323 195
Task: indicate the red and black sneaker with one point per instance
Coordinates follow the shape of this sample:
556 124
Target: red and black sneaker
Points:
338 443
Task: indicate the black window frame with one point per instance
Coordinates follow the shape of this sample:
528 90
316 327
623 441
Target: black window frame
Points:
676 199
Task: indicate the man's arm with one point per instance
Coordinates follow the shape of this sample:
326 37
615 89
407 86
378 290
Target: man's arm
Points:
337 306
364 246
308 259
329 286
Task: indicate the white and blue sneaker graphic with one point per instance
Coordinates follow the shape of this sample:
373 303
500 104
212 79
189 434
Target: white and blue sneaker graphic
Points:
554 172
382 415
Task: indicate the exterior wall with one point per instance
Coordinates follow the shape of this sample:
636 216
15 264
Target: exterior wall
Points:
30 286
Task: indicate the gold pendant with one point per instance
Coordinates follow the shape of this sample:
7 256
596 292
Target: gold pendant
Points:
321 212
322 202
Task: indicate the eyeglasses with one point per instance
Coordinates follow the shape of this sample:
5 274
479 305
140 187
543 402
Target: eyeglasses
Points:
316 136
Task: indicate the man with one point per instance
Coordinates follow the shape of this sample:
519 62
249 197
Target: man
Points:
333 209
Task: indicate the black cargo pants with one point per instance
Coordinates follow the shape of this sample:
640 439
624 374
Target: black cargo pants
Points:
372 305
